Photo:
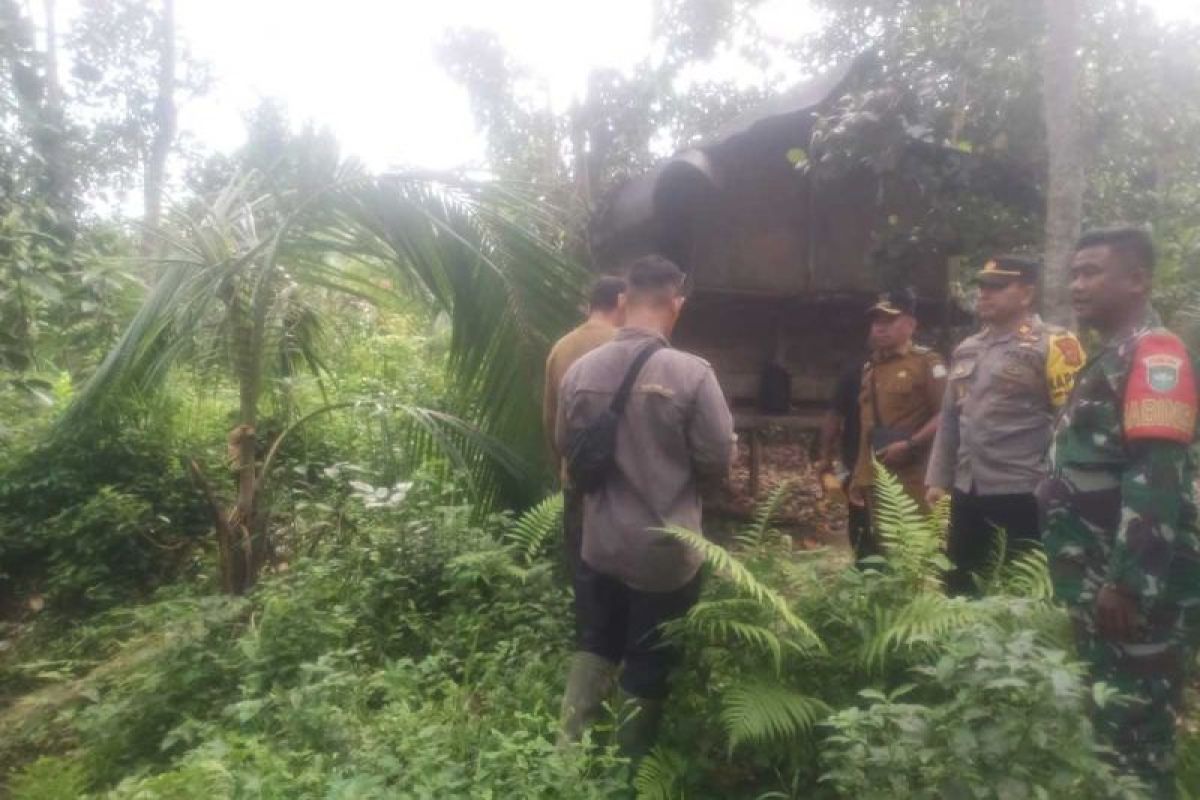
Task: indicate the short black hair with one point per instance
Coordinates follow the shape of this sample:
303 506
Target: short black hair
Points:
655 273
1132 243
606 293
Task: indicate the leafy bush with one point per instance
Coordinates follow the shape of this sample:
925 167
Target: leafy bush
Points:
96 519
1005 719
414 651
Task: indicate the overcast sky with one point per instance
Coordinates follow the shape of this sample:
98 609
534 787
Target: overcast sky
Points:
366 68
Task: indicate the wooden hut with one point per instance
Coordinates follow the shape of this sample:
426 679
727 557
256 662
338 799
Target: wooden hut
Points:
781 265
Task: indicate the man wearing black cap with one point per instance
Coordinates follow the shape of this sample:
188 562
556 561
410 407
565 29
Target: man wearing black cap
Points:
1006 384
902 390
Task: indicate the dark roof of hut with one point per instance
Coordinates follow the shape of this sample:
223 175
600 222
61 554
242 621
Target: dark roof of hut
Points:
641 207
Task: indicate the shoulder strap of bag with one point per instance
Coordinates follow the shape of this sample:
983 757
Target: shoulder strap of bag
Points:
622 396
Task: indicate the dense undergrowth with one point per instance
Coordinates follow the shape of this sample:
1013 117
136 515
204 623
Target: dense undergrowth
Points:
406 642
411 651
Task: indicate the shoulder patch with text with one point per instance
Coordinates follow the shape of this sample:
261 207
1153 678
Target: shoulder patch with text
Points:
1068 347
1064 357
1160 396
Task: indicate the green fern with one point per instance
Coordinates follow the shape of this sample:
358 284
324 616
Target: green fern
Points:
717 621
991 577
659 775
927 619
736 572
913 541
760 529
1028 575
530 532
763 714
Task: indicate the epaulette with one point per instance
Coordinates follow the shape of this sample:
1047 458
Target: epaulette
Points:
971 340
1028 332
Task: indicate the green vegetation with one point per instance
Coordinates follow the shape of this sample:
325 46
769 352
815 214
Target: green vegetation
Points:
275 517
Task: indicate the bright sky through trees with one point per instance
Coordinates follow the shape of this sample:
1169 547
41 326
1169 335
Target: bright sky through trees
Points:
366 68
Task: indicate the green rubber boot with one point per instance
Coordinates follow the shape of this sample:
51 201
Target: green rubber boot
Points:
589 684
639 721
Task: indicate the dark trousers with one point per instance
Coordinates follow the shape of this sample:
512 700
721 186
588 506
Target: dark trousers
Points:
973 522
621 624
858 524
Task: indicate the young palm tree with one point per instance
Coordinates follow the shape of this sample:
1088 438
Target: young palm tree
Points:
236 278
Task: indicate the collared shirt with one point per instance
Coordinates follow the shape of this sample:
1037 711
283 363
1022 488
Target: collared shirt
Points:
566 351
906 388
999 408
676 431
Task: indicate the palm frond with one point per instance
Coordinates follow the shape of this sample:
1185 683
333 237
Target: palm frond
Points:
477 251
507 289
759 714
736 572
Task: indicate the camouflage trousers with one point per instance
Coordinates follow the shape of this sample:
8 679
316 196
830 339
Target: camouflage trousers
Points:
1150 674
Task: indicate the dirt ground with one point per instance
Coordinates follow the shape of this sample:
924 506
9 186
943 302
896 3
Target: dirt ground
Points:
813 519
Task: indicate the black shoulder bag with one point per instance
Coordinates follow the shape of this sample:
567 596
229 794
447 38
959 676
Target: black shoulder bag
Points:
592 450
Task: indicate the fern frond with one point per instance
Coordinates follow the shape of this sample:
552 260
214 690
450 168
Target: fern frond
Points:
989 579
927 619
722 561
912 540
762 714
1028 575
530 532
716 622
659 775
764 515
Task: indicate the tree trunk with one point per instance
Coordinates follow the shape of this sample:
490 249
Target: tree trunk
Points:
39 107
164 134
1064 194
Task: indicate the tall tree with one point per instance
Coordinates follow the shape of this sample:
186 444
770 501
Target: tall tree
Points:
40 118
1065 175
163 136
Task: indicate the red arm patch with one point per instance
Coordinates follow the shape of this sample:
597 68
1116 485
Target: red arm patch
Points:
1160 395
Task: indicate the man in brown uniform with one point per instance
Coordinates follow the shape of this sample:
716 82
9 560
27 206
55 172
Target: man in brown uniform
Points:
606 313
675 433
900 401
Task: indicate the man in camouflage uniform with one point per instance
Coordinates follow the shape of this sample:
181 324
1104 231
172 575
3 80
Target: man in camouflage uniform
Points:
1006 385
1119 513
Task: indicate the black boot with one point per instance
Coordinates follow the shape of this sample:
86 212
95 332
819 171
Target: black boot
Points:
639 722
589 683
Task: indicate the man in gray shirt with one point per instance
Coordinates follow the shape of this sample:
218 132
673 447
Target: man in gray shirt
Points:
676 432
1006 384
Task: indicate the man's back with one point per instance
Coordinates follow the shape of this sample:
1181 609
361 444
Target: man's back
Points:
676 430
580 341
